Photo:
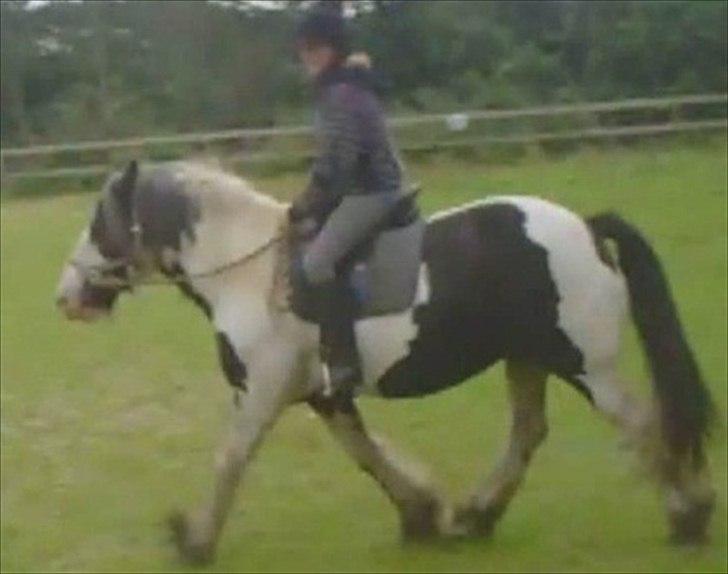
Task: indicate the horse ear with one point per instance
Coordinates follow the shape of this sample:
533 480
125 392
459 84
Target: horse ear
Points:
125 186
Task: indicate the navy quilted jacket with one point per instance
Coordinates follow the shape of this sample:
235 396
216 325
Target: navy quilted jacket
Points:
355 154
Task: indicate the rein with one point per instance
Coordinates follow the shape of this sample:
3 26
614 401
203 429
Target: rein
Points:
235 262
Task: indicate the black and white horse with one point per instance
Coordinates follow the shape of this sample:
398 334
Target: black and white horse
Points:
508 278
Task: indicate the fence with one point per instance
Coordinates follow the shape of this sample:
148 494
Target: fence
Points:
598 120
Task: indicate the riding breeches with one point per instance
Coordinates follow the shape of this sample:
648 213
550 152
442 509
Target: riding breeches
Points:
351 223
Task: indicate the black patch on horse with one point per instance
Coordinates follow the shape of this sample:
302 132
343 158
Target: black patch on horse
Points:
112 243
98 233
110 247
196 298
164 211
161 207
492 298
187 290
232 366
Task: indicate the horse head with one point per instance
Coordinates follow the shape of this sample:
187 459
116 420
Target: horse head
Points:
100 265
149 219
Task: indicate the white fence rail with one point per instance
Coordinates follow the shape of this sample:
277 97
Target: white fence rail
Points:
461 122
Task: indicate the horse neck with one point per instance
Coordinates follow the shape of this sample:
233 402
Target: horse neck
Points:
231 226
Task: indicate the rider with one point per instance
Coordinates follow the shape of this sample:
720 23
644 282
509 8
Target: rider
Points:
354 184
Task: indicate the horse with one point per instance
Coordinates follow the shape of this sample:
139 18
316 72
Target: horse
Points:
509 278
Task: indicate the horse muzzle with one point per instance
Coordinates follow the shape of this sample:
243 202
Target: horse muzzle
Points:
79 301
76 312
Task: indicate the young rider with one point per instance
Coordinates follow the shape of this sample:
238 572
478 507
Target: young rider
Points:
354 183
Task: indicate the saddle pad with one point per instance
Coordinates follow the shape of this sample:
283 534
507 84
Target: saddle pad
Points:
385 282
388 278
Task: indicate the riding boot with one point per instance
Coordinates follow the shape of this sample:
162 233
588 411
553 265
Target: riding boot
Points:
339 351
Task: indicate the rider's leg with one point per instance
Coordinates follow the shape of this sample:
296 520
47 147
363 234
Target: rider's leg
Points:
339 351
331 303
354 221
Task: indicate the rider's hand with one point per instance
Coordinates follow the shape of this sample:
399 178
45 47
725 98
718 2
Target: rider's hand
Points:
295 213
304 228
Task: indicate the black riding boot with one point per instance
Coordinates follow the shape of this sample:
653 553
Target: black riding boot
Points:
339 351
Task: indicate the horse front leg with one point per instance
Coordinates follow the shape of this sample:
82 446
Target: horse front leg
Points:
196 534
423 513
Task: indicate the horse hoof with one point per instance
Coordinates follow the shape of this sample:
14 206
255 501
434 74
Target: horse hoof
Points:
474 522
197 554
689 528
420 521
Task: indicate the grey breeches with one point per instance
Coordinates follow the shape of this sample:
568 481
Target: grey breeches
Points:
351 223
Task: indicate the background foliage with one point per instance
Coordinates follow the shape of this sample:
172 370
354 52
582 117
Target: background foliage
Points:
75 70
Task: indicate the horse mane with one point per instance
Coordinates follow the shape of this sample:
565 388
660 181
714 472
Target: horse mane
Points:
206 180
213 215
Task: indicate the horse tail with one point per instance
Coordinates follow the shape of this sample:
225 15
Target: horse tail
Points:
686 408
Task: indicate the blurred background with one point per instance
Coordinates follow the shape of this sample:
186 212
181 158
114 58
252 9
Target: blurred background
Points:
599 105
85 70
76 71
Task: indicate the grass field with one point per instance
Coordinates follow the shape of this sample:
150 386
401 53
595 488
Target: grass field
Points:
105 428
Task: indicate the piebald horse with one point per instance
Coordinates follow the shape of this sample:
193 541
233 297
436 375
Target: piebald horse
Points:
517 279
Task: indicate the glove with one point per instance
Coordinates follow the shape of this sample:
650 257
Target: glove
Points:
301 213
306 229
296 212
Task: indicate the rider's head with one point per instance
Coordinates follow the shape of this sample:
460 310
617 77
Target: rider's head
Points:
321 38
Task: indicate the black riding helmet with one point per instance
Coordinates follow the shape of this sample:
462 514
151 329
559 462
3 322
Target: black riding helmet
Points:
323 25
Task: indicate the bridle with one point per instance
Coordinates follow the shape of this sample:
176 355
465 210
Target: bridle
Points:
97 275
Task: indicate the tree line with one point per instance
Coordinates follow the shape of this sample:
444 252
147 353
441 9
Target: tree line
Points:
89 70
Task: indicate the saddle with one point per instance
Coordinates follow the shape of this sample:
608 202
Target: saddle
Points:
381 273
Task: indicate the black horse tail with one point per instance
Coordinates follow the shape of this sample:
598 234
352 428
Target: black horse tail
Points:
686 408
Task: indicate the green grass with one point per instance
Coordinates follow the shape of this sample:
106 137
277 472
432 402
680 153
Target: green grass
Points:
105 428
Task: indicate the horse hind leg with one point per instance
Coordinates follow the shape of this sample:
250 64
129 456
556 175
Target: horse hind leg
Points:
689 496
527 393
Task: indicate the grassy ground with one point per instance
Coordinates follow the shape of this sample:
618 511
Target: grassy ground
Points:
106 428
